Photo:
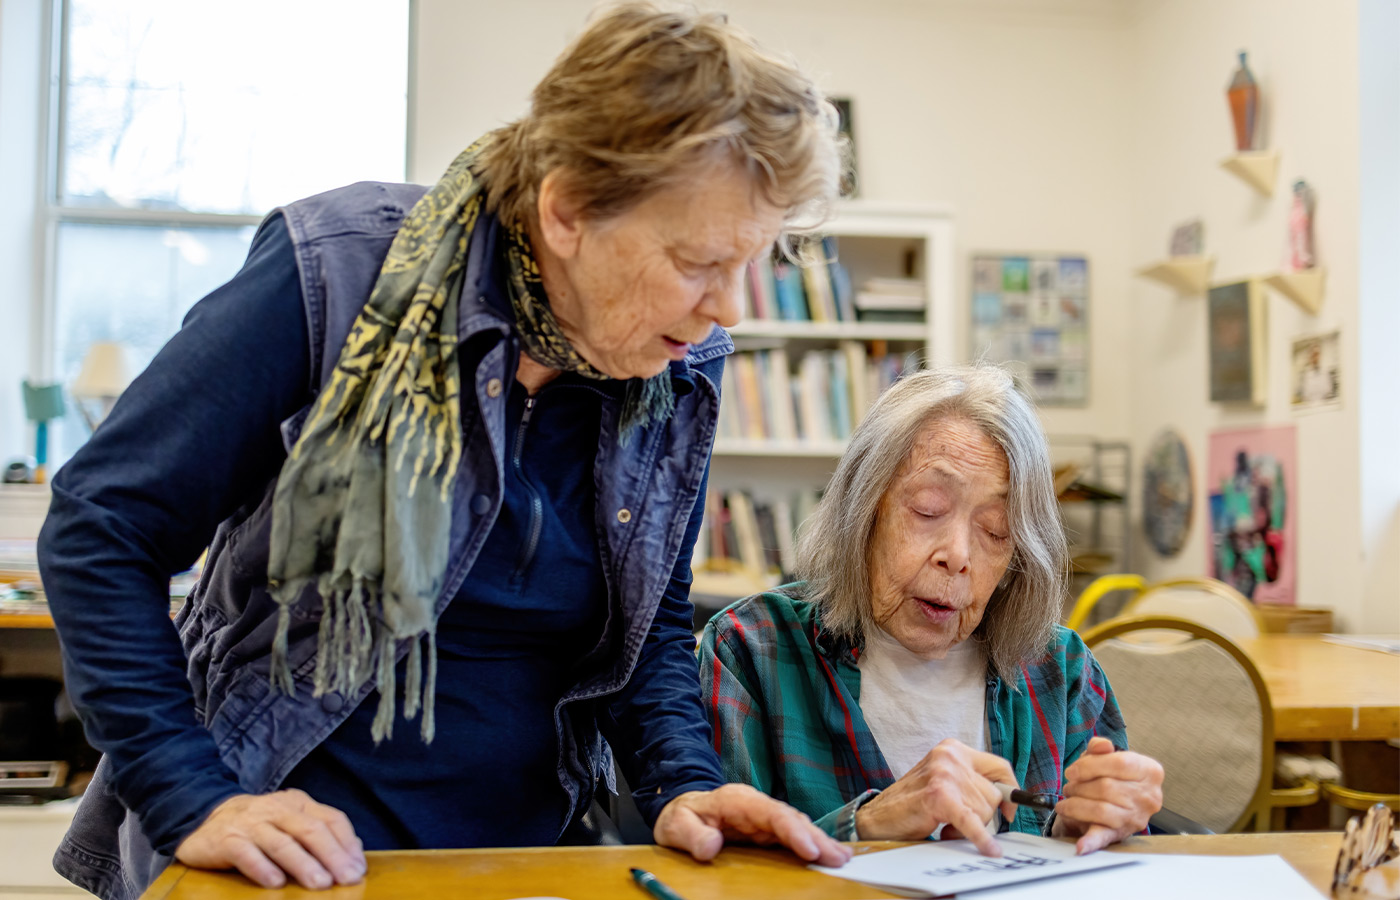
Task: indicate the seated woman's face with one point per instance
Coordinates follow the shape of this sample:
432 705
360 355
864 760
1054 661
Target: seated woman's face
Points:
941 540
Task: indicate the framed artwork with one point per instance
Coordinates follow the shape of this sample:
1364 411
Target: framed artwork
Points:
1168 493
850 183
1031 312
1238 343
1317 373
1254 511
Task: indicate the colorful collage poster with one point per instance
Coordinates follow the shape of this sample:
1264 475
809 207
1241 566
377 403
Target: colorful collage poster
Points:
1254 512
1032 313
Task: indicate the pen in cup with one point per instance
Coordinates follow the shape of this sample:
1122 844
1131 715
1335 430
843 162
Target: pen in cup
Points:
1026 798
652 885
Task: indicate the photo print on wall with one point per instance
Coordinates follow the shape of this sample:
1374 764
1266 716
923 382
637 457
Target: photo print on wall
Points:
1317 373
1031 313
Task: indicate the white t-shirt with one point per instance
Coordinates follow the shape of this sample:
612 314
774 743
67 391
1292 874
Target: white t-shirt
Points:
912 703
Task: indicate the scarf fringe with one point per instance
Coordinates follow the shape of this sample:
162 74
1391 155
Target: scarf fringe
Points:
652 400
350 646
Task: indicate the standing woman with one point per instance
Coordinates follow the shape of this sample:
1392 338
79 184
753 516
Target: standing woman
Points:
449 447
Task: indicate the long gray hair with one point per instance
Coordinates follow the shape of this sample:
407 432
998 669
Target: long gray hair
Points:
834 543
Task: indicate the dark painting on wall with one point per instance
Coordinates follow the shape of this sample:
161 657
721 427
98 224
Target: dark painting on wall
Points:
1238 333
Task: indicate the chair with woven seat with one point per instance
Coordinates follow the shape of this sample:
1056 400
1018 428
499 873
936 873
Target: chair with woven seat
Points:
1204 601
1359 800
1196 703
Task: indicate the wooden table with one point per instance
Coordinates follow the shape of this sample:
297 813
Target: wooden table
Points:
1324 691
600 873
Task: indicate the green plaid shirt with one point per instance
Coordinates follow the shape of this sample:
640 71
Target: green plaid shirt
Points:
784 699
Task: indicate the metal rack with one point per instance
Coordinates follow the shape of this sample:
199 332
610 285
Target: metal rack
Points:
1098 518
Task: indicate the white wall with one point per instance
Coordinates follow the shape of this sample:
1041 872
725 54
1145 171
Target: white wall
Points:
21 44
1010 112
1073 125
1379 400
1304 54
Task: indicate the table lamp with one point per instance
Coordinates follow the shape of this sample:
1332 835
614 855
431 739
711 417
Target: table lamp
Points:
42 403
106 372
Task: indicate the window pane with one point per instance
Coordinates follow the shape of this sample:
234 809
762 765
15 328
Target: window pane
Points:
131 284
233 108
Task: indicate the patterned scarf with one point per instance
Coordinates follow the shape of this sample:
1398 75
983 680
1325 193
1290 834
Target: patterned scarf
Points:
363 506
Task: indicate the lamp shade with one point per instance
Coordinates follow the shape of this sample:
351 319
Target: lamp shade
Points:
106 371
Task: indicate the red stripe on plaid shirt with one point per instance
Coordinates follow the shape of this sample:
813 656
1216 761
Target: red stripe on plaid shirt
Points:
1089 677
1044 725
850 727
714 701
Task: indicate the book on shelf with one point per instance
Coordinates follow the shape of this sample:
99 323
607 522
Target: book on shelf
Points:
891 300
820 398
751 534
819 290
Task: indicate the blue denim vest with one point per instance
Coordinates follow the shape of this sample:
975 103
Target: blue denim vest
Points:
646 496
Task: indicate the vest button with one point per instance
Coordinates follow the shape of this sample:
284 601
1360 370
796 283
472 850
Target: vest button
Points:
624 515
332 702
481 505
493 388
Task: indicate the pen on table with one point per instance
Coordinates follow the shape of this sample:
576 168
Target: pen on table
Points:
1026 798
652 885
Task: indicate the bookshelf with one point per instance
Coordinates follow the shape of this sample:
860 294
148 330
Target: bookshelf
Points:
798 384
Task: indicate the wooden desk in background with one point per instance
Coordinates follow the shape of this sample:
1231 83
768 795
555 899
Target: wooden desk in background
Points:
1327 692
600 873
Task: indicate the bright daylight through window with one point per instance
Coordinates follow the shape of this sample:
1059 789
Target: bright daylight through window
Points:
169 150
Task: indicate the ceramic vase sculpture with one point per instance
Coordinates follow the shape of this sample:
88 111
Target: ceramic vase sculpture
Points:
1300 236
1244 105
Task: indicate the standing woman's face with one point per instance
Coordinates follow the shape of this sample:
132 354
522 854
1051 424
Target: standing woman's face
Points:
635 291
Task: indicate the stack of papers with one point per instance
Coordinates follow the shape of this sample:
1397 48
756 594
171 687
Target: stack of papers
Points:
1045 869
1386 643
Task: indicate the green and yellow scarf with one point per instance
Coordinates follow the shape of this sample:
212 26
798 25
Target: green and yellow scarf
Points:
363 505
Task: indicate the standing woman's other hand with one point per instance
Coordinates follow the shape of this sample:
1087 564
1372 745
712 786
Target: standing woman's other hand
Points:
699 822
1108 795
268 837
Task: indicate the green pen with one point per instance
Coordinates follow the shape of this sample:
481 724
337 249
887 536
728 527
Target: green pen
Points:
649 883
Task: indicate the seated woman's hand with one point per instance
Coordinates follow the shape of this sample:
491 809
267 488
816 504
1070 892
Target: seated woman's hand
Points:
270 836
1108 795
953 785
699 822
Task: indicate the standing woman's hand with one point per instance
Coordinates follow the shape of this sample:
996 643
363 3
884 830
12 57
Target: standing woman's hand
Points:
699 822
1108 795
270 836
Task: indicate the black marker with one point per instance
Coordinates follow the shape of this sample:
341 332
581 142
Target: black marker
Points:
1026 798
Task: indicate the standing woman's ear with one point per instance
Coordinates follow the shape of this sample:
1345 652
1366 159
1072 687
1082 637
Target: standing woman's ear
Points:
561 218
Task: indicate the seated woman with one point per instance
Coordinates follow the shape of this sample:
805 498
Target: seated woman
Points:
920 661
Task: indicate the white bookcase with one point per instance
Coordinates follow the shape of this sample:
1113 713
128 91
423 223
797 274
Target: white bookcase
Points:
873 241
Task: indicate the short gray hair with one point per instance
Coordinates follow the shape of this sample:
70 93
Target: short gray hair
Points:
834 543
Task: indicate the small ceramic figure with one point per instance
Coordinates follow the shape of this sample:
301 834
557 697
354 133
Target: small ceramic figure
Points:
1243 94
1300 235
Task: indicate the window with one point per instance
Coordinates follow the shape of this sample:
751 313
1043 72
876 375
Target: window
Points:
179 126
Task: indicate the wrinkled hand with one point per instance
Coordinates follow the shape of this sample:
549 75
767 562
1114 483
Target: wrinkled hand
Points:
952 785
270 836
699 822
1108 795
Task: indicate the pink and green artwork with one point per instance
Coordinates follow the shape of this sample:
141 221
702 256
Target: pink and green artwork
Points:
1254 511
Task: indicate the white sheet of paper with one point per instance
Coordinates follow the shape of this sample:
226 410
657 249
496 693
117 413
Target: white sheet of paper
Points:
943 868
1164 877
